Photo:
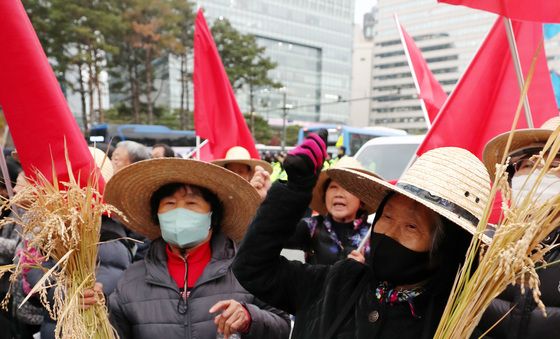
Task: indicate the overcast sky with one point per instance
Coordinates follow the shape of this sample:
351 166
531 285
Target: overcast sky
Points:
362 6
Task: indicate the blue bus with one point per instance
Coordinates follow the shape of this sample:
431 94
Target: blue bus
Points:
148 135
352 138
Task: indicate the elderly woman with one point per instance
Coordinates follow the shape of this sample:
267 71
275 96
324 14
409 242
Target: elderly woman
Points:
521 317
184 288
420 236
341 224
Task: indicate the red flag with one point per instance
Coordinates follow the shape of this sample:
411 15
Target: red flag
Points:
33 103
524 10
429 89
484 101
217 117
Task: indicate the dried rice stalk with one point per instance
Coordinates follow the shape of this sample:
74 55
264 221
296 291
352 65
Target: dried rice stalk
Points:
63 224
6 269
514 254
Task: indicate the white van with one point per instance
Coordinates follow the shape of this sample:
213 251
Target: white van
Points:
389 156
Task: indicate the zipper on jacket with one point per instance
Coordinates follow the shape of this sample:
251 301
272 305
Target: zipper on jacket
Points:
182 306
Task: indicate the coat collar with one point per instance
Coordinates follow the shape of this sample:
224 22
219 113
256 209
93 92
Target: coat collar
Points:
223 251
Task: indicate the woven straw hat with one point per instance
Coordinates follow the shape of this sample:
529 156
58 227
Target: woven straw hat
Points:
494 149
131 188
103 162
450 181
318 200
240 155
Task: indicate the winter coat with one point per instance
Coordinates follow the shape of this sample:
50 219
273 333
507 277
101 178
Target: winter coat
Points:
114 255
9 240
147 302
526 321
325 241
315 294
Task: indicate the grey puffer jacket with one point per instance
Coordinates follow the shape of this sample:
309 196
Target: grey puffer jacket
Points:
9 240
147 303
114 256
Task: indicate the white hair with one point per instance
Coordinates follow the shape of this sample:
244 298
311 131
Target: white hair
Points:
136 151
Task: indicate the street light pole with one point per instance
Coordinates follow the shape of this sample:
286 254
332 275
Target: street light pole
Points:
284 116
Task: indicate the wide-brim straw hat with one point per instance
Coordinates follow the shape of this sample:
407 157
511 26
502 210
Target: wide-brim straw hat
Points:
131 189
240 155
318 200
102 162
450 181
494 149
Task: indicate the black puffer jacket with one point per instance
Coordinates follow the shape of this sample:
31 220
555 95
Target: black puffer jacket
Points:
146 303
526 321
316 293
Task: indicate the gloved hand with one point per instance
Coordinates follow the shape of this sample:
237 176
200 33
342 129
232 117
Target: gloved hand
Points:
303 164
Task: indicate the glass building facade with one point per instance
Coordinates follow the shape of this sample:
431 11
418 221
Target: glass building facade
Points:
448 37
311 40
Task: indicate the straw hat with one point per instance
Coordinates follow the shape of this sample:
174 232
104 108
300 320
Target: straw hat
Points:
494 149
131 189
240 155
102 162
318 200
450 181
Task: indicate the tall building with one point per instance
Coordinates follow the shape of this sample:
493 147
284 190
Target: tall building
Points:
448 36
362 56
311 40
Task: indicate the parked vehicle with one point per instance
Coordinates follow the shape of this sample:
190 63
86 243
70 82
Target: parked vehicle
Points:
389 156
352 138
182 142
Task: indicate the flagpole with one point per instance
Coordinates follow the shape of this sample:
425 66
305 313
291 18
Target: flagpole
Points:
6 174
197 157
518 70
6 135
196 150
411 66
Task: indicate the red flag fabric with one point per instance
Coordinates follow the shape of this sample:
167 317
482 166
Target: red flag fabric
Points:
523 10
484 101
34 105
217 117
430 90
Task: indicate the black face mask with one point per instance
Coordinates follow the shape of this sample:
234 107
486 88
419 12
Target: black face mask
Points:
396 264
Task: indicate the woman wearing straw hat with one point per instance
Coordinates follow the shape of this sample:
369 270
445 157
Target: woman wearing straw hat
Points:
525 320
256 171
421 232
184 288
341 224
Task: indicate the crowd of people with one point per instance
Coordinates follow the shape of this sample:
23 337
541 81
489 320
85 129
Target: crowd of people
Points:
205 256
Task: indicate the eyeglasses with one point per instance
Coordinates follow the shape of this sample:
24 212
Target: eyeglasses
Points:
530 162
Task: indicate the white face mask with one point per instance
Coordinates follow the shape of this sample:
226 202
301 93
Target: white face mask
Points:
522 184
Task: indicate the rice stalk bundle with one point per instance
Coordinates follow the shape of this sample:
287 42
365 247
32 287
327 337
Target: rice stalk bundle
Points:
516 250
62 221
513 256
